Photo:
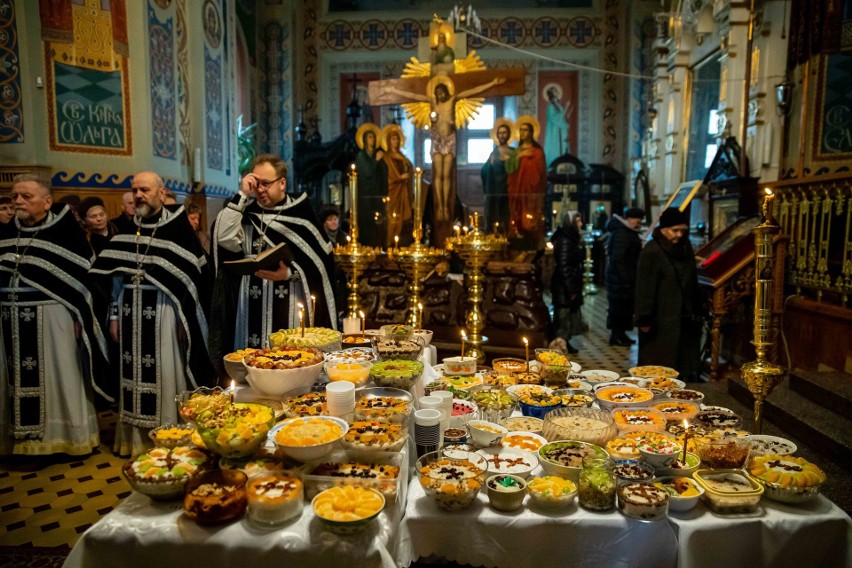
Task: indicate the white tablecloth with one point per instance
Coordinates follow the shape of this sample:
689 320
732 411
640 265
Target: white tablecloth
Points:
815 534
145 533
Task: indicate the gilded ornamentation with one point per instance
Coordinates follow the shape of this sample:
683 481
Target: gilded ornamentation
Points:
183 82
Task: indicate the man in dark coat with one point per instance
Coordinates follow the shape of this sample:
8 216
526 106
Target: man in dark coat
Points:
623 248
567 284
668 308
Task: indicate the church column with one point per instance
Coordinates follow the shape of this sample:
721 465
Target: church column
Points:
654 150
733 21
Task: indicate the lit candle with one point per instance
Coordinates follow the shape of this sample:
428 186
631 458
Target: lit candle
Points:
396 242
353 202
767 204
233 388
302 318
363 319
464 338
313 309
457 229
420 315
348 239
685 438
496 226
527 353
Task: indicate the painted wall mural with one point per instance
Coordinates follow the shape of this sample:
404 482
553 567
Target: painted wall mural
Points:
557 112
275 123
11 105
163 107
213 106
87 79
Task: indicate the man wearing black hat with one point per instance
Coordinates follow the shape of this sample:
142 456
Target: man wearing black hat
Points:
623 247
668 306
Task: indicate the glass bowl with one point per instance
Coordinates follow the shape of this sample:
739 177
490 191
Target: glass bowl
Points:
162 473
552 492
235 430
723 453
392 348
349 509
452 479
565 457
216 496
192 403
172 435
308 438
493 402
396 373
716 419
357 372
584 424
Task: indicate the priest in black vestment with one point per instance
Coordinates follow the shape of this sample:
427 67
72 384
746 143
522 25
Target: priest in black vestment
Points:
160 290
248 308
53 349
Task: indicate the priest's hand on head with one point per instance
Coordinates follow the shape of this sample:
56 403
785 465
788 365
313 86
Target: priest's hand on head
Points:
248 185
283 273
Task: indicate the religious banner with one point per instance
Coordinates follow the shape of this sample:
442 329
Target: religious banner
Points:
87 80
557 113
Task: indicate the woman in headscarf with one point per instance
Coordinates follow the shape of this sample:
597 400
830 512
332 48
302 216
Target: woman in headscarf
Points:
98 226
567 284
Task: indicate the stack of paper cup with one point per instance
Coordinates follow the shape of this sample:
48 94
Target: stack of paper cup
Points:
340 398
427 424
446 405
436 403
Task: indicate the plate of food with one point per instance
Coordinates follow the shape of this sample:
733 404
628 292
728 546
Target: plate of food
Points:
652 371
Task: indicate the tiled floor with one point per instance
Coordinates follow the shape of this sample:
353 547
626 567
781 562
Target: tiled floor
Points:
49 502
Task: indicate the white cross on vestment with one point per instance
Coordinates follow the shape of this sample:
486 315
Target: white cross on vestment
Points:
27 315
148 361
254 340
149 312
255 292
6 314
258 244
13 297
29 364
281 291
125 309
127 357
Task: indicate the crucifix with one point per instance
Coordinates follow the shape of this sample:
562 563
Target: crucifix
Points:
441 103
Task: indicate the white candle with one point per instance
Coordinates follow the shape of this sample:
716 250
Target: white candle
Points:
351 325
353 203
363 319
313 309
464 338
527 353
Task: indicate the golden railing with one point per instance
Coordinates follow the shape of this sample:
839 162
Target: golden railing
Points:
816 213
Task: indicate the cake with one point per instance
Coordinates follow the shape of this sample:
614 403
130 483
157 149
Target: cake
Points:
643 501
372 435
274 499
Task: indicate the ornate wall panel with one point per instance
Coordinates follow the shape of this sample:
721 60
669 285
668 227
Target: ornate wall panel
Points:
275 121
162 64
11 105
183 82
213 109
611 85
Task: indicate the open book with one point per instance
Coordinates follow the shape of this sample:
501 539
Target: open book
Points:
266 260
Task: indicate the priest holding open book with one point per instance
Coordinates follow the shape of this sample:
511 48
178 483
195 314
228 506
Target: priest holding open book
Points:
270 254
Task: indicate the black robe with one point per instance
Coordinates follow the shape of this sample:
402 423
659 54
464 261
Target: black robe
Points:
271 305
56 265
668 300
623 247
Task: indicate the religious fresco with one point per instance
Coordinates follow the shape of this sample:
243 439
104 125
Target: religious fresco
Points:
558 112
275 122
212 21
87 81
162 64
214 115
834 109
442 6
11 105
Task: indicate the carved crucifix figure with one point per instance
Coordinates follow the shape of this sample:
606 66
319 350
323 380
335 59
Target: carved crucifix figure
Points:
445 105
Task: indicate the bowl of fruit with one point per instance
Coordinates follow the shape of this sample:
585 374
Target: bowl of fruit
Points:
277 370
235 430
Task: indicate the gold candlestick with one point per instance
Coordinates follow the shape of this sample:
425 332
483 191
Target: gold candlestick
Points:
418 213
353 203
762 376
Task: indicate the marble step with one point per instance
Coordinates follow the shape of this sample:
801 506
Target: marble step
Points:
806 420
831 389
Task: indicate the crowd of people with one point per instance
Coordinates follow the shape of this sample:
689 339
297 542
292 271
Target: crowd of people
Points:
133 310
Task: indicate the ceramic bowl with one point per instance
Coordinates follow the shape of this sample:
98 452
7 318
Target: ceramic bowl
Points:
506 492
484 434
659 454
627 396
307 449
456 366
677 468
425 335
357 523
683 494
275 382
234 367
565 457
509 461
761 445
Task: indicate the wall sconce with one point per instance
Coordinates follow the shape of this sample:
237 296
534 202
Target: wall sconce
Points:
784 97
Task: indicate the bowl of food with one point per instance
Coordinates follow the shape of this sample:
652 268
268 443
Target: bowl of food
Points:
628 471
786 478
383 404
304 401
761 444
396 331
452 479
717 419
308 438
352 354
636 419
664 383
321 338
575 398
235 430
686 395
652 371
172 435
162 473
273 372
565 457
509 461
506 492
357 372
508 365
578 382
484 434
355 340
538 405
216 496
456 366
622 396
552 492
554 367
683 492
525 441
494 403
523 424
396 373
681 468
584 424
723 452
348 509
396 349
234 364
463 412
598 376
192 403
659 453
643 501
517 391
274 499
372 435
676 410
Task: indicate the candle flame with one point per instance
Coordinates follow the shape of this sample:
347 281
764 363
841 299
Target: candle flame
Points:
352 167
526 341
767 190
417 170
313 298
686 424
464 335
233 384
348 239
419 306
361 314
301 306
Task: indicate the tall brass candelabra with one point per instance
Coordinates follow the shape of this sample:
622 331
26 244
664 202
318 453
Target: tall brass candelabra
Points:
354 257
418 259
762 376
476 249
589 286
